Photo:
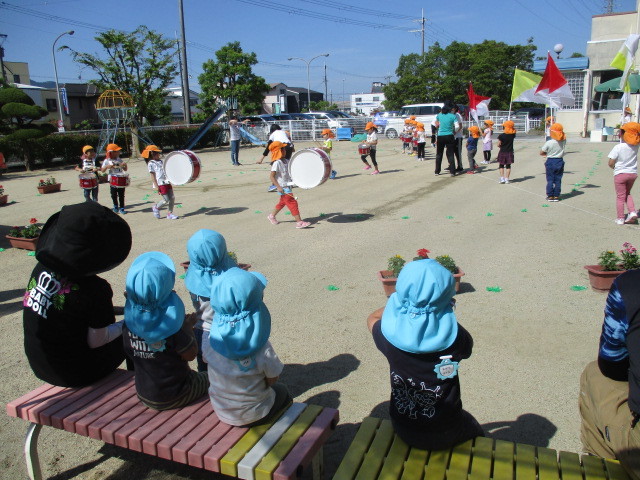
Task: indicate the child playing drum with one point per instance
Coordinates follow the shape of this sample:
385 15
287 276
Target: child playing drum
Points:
88 167
327 134
151 155
372 141
116 167
282 180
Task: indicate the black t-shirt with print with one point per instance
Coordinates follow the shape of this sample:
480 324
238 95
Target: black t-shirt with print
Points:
418 397
506 142
161 376
57 314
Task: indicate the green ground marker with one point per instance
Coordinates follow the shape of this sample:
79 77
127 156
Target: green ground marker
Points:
178 205
489 214
258 211
182 276
1 249
202 208
524 210
31 254
406 217
578 288
449 217
545 205
287 213
323 214
332 288
494 289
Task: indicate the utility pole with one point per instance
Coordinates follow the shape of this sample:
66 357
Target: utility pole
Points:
186 97
3 37
609 5
325 82
421 31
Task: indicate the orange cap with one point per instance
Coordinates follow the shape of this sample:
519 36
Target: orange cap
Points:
412 117
112 147
474 131
148 149
276 150
420 126
557 132
329 132
550 119
627 110
631 133
509 127
86 148
370 125
489 123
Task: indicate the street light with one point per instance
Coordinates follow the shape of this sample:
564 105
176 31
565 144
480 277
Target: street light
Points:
55 69
308 79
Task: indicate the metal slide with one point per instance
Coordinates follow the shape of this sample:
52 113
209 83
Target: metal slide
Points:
252 138
204 127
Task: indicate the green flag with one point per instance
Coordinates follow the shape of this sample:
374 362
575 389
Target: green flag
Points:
524 87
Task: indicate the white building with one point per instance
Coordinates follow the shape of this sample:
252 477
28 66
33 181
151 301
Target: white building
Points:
368 102
174 99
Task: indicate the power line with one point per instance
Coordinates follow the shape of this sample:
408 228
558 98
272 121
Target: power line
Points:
358 10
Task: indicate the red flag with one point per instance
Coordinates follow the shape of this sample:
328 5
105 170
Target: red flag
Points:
478 105
554 86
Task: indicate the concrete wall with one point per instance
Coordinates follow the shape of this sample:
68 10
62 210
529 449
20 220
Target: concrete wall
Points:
572 120
608 32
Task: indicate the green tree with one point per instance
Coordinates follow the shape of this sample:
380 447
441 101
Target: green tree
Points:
230 76
444 73
17 114
323 106
141 63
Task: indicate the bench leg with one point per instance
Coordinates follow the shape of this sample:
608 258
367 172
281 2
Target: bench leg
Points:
31 451
317 465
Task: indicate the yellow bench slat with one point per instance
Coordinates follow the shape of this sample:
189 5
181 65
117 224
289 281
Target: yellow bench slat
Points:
414 466
548 464
593 468
570 466
394 463
503 459
482 459
460 460
525 462
437 466
264 470
374 458
353 459
229 463
615 470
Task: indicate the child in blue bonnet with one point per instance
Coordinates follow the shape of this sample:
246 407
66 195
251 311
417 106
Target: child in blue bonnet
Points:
208 257
243 367
418 333
157 336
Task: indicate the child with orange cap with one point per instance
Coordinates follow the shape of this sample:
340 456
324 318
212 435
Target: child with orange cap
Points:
472 147
505 155
421 136
282 180
487 143
327 134
624 161
151 155
372 141
88 166
405 135
115 166
554 165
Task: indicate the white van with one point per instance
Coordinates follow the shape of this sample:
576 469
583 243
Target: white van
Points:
424 112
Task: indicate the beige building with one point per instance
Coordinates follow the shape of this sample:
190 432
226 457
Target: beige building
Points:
17 72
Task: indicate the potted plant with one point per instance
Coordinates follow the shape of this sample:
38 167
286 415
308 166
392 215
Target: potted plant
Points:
48 185
610 265
389 277
25 237
449 263
3 198
243 266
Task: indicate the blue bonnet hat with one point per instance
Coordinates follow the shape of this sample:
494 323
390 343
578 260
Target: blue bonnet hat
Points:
153 311
242 323
419 316
208 257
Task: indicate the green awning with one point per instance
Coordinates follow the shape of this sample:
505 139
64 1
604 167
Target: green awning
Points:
614 84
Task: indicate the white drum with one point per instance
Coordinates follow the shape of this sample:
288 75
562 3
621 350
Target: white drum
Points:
181 166
310 167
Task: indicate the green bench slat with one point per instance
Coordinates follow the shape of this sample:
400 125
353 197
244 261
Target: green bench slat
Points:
525 462
394 463
593 468
460 460
482 459
615 470
437 466
548 464
374 458
503 460
570 466
414 466
353 459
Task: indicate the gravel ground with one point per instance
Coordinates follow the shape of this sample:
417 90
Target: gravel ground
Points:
532 339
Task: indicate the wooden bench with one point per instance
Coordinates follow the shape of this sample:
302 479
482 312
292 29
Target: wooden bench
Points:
111 412
377 453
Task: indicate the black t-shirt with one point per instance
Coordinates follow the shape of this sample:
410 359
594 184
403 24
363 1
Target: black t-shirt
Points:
57 314
506 142
418 396
161 376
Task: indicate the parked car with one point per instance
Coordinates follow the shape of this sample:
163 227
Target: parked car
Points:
257 120
424 112
281 116
338 113
331 120
533 112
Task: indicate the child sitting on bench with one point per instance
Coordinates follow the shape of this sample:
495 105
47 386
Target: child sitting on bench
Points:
243 367
418 333
157 336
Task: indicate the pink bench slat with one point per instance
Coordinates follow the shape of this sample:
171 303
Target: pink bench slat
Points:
124 434
31 410
15 408
196 454
219 450
180 451
115 410
79 421
303 451
165 446
134 408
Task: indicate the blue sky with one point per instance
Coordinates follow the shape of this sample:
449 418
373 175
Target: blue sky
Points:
275 30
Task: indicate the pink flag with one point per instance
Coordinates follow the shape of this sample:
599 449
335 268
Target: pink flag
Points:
478 105
554 87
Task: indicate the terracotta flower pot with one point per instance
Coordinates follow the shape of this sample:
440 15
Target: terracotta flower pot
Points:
389 281
243 266
601 280
4 199
49 188
25 243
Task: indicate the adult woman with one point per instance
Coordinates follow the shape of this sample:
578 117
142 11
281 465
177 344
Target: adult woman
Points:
447 124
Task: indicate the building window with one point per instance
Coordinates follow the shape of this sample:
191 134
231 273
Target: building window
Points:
16 78
193 103
376 99
52 104
358 99
576 84
80 105
282 91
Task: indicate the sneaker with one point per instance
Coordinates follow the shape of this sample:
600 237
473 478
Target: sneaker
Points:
123 211
632 217
272 188
171 216
375 172
333 174
115 209
156 212
367 167
548 199
437 174
302 224
459 169
554 199
502 180
620 221
272 219
506 180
